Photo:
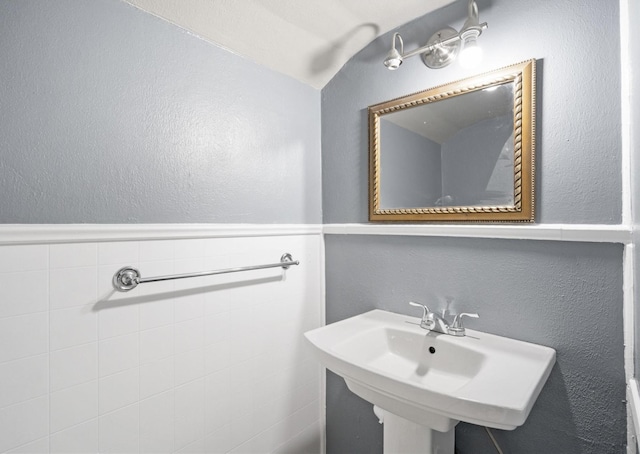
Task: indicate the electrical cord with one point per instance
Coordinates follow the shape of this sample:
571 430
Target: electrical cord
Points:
493 440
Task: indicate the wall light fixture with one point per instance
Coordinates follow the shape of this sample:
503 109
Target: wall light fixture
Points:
444 45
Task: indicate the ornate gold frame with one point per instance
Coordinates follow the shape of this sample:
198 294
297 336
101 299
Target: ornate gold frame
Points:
523 76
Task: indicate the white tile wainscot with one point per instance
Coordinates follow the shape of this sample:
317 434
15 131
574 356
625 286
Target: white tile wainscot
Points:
211 364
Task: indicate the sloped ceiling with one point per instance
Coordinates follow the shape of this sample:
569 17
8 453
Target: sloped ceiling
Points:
309 40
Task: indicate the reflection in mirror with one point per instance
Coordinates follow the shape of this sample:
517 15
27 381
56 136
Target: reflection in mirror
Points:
458 152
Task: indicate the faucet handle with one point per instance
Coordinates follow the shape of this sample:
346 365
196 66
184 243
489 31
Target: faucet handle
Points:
456 328
425 309
424 322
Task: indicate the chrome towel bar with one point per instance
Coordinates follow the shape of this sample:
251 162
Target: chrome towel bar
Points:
128 278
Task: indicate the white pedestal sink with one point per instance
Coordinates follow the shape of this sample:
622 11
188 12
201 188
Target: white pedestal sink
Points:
427 382
404 436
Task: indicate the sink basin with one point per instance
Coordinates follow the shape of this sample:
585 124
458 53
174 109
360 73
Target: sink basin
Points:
433 379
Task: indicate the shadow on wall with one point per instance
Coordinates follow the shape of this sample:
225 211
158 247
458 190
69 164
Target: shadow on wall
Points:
345 433
559 439
323 60
108 300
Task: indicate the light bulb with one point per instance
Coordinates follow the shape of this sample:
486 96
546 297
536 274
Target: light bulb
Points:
471 53
470 57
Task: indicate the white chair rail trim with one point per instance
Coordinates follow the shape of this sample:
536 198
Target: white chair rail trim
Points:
75 233
591 233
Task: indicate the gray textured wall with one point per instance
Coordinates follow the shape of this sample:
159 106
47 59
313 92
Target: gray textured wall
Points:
578 140
110 115
567 296
564 295
411 164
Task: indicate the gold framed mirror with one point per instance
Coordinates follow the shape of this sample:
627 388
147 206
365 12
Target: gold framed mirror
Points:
459 152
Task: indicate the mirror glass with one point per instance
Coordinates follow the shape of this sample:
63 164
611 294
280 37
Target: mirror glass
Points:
456 152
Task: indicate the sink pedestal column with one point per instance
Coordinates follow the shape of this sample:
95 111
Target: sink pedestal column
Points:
402 436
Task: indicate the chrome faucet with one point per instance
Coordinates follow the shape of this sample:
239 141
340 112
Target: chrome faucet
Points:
438 324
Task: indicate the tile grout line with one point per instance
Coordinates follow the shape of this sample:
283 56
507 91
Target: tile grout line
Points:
98 418
49 346
138 366
173 369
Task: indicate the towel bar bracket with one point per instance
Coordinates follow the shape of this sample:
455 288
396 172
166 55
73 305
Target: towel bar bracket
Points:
126 279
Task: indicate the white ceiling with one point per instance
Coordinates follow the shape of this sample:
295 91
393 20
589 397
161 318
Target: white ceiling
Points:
309 40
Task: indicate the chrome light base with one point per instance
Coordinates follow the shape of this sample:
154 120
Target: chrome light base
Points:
442 54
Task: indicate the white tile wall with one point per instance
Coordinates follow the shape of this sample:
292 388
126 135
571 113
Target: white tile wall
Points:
23 379
23 336
215 364
72 406
156 423
119 390
25 292
80 439
73 366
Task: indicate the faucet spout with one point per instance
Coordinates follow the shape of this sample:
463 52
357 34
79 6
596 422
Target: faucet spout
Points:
430 320
437 324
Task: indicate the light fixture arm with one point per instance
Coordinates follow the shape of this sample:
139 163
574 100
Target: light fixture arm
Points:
438 43
397 37
472 16
429 48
